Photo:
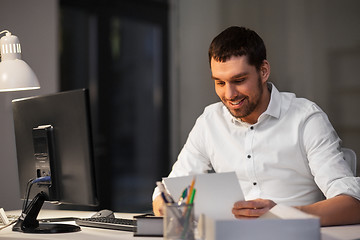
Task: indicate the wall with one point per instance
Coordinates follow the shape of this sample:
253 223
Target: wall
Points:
193 25
35 24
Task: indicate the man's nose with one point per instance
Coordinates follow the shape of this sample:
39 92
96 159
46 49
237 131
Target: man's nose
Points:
230 92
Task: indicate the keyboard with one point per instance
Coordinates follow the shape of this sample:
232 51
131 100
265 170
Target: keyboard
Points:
122 224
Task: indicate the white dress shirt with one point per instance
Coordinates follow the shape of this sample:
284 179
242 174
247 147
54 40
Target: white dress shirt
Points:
291 155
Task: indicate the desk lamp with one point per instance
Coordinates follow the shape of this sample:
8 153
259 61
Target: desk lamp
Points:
15 74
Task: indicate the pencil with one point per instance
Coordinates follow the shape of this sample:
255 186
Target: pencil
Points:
191 190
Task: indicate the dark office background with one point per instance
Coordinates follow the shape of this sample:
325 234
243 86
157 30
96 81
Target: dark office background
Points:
119 51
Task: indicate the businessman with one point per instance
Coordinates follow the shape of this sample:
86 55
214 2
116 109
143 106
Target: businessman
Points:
282 148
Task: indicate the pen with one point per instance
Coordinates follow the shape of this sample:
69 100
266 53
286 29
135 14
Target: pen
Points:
165 195
192 196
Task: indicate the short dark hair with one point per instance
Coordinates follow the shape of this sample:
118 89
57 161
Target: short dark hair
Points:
238 41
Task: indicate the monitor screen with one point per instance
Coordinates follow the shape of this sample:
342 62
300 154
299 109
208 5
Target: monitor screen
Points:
53 137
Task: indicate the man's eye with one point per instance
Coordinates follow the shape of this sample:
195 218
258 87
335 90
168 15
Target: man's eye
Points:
220 83
240 80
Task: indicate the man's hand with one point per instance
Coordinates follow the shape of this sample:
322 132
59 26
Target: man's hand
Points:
252 209
158 206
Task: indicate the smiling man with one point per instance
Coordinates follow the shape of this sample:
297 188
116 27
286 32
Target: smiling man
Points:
282 148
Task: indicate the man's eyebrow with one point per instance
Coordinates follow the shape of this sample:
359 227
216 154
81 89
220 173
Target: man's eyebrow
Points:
240 75
237 76
215 78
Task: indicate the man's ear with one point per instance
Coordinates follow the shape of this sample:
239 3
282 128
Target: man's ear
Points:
265 71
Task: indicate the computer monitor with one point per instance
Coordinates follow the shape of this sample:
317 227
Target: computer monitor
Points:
54 146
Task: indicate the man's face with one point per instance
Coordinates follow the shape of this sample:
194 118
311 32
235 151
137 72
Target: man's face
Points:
241 87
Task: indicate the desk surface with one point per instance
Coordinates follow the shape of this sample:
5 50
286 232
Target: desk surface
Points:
349 232
86 233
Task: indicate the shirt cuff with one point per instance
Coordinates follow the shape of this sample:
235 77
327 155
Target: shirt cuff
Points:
347 186
156 193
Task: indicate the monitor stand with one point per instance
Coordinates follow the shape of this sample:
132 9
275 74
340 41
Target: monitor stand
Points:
27 222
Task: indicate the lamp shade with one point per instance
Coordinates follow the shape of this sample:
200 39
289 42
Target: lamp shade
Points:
15 74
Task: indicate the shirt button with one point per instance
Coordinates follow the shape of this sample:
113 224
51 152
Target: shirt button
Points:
252 127
248 156
254 183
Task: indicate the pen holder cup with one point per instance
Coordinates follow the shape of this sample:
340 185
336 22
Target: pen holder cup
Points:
179 221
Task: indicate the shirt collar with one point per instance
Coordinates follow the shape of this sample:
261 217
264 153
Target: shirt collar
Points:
274 107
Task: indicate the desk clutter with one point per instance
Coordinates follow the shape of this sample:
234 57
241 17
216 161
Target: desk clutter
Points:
180 220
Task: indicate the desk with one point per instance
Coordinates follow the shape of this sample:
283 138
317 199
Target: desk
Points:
349 232
86 233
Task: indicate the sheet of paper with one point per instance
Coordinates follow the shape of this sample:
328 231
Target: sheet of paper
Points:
216 193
